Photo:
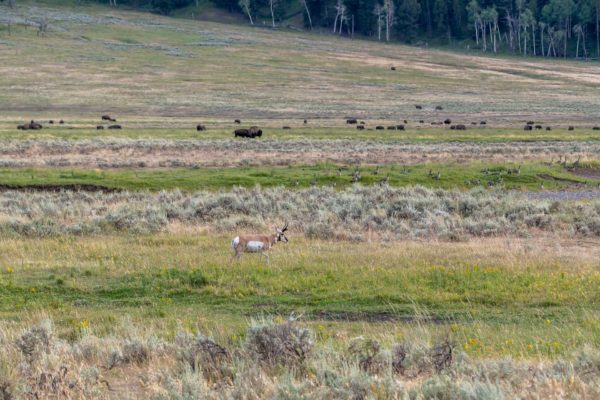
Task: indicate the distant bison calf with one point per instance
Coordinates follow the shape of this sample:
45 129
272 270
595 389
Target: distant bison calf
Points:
99 127
200 127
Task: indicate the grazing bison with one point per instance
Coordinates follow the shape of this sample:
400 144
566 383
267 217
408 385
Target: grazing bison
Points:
453 127
51 121
406 121
483 123
596 128
200 127
439 108
286 127
108 118
306 121
99 127
473 123
393 68
237 121
548 128
530 123
379 128
115 126
32 125
421 121
461 127
538 127
400 127
362 122
418 107
61 122
351 121
571 128
527 128
360 127
447 121
252 132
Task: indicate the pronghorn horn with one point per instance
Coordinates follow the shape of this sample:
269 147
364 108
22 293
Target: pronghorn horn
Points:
285 227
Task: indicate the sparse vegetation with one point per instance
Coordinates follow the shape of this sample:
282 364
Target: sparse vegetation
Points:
328 372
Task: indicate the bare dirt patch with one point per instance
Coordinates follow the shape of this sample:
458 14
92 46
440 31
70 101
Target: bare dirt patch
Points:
589 173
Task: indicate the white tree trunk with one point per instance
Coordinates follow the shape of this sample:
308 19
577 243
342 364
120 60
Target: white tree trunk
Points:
304 2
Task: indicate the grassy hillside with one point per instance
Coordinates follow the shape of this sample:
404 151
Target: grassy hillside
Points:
96 60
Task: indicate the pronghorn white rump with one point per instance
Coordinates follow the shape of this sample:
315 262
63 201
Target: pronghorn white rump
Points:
257 243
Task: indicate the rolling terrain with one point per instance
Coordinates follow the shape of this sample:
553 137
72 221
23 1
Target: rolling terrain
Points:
116 279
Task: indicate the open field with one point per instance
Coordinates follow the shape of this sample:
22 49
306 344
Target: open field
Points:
424 263
95 60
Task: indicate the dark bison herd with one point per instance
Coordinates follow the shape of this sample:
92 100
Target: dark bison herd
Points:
254 131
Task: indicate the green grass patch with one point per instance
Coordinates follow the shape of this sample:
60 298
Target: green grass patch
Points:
338 287
533 176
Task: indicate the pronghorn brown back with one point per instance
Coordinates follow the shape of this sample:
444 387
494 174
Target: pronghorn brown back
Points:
257 243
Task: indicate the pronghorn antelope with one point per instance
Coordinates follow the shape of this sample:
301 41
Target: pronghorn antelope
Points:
257 243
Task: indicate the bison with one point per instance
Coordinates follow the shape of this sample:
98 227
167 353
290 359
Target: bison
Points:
379 128
200 127
99 127
108 118
538 127
400 127
571 128
237 121
286 127
596 128
351 121
252 132
393 68
418 107
447 121
527 128
548 128
32 125
360 127
461 127
115 126
439 108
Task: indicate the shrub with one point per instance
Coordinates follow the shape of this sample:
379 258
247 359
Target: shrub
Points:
279 345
